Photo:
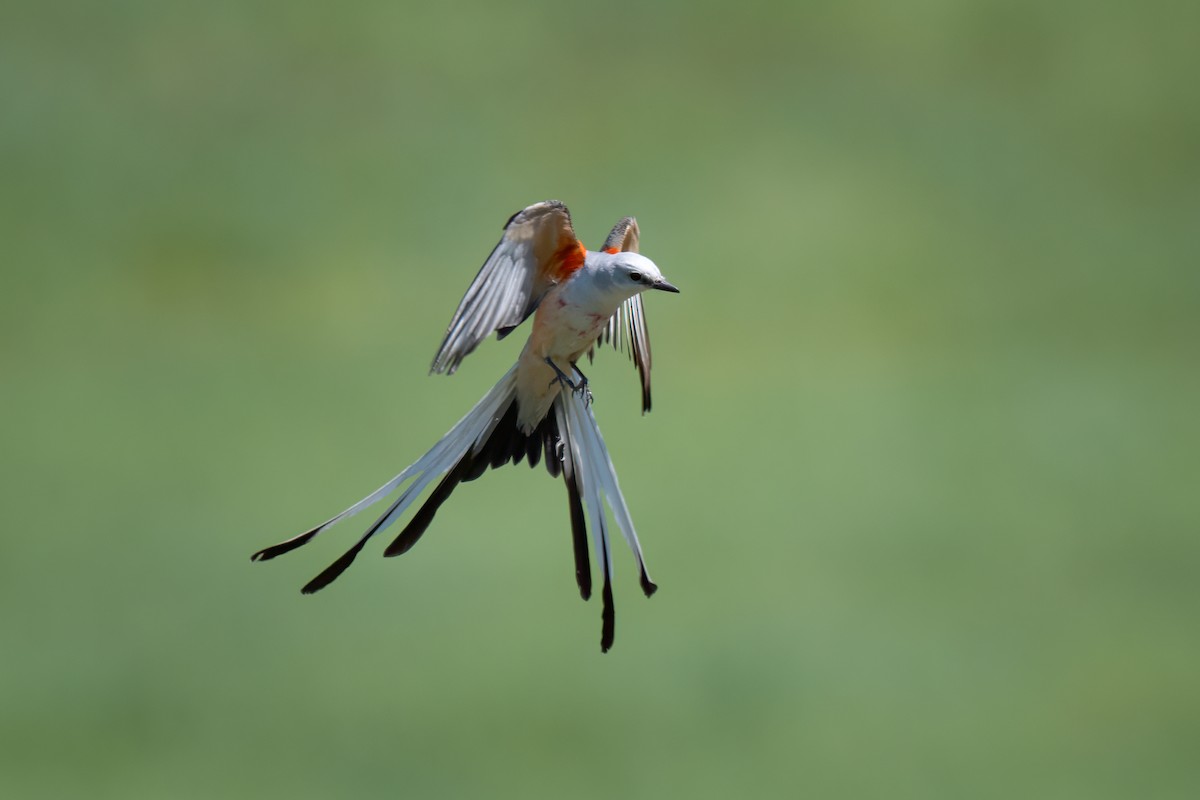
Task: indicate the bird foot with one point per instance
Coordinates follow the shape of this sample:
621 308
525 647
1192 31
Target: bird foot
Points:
582 389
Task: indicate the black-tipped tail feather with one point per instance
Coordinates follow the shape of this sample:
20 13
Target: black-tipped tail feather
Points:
579 542
267 553
506 443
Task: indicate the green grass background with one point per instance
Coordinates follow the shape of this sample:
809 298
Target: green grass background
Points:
919 488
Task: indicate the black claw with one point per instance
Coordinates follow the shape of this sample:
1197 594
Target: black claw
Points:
582 389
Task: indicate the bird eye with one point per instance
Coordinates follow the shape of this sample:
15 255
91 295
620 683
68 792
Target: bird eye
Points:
635 276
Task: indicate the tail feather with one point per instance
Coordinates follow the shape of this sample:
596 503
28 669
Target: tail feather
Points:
473 428
534 448
585 435
577 462
506 443
579 543
330 573
552 450
589 466
608 612
267 553
420 522
568 441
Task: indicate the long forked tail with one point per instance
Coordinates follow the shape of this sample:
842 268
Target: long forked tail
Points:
590 476
488 437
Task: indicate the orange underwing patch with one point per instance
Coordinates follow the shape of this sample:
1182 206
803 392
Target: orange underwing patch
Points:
612 251
570 257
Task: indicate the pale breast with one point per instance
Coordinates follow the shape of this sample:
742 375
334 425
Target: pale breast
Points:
563 330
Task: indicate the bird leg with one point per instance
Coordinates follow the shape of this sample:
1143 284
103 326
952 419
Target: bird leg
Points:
560 377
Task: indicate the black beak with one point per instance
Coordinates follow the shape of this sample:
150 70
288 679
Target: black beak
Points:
664 286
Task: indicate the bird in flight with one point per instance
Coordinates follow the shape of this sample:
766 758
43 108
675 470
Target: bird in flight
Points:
541 409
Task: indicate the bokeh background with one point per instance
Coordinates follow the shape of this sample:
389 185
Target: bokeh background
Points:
919 488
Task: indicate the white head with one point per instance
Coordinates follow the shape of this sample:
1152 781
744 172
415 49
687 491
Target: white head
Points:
624 274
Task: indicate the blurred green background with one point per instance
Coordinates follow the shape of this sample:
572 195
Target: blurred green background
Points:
919 488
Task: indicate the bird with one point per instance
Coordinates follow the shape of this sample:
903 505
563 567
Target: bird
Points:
541 409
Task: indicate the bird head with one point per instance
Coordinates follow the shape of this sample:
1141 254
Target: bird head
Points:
633 273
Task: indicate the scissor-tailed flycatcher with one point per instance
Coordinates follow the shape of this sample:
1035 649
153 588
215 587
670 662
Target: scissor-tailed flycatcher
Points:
542 405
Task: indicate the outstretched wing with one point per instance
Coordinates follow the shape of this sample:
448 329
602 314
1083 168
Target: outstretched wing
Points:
626 329
539 248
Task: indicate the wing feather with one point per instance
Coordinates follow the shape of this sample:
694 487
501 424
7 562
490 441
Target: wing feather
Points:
538 249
